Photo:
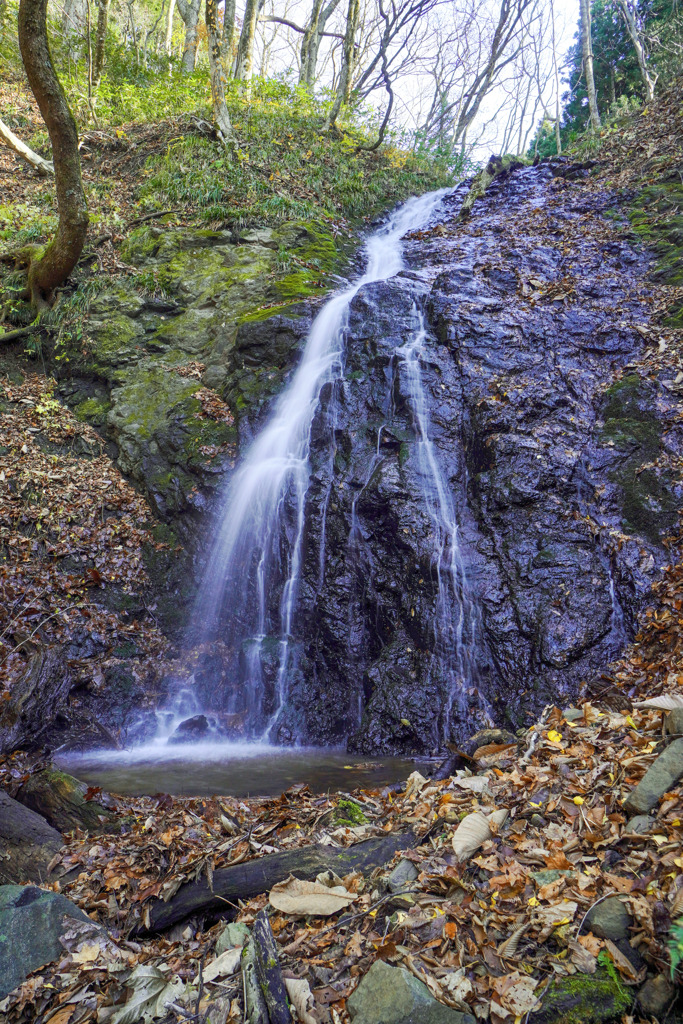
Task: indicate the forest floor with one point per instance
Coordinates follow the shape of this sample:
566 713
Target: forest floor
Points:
498 917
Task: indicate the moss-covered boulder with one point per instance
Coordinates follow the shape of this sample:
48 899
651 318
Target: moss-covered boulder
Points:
27 843
61 800
657 218
633 430
208 309
583 999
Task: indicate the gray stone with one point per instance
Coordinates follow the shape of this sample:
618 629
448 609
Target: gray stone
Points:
234 934
658 780
27 843
639 825
390 995
655 995
31 921
403 874
609 919
673 723
547 875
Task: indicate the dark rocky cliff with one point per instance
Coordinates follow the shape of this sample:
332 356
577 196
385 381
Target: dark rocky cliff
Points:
555 438
555 441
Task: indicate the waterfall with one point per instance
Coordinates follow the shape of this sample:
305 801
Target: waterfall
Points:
248 593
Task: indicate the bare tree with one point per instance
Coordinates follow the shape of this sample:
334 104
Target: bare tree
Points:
100 40
587 50
556 73
228 34
50 268
168 34
312 37
345 75
74 15
189 12
633 21
220 110
487 49
245 48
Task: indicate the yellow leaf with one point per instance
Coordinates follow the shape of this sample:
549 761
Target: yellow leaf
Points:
533 902
554 736
578 800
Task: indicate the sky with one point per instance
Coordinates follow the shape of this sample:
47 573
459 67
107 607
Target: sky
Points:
414 91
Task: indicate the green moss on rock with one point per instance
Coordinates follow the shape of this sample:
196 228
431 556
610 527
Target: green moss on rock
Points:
583 999
93 410
657 218
349 813
630 425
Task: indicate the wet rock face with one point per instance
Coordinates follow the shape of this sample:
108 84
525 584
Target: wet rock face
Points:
548 442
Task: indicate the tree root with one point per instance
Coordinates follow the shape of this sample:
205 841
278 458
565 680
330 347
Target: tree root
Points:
21 332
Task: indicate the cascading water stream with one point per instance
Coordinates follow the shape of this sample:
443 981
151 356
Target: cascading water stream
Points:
457 616
257 551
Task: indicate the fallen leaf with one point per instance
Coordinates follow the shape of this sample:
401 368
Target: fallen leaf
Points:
473 831
224 965
299 992
299 898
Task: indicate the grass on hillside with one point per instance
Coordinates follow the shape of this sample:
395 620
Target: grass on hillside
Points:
285 166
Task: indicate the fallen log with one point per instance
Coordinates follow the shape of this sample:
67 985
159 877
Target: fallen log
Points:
241 881
44 167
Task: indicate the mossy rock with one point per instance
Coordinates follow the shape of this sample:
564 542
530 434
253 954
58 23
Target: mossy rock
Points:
31 922
583 999
657 219
649 505
60 799
93 410
349 813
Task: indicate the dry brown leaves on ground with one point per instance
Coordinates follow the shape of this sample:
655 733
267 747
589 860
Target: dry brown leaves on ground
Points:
486 933
72 538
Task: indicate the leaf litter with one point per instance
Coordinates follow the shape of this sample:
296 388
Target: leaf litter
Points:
497 911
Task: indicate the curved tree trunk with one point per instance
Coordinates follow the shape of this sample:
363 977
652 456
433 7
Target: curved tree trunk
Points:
630 15
60 257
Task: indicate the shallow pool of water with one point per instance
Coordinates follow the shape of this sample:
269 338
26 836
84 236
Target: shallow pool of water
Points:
230 769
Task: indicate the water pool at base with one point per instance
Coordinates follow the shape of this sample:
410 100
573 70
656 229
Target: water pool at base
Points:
213 769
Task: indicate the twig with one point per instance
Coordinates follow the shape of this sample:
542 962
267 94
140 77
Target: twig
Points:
583 919
60 611
150 216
